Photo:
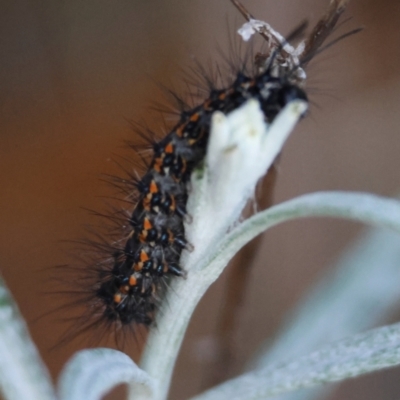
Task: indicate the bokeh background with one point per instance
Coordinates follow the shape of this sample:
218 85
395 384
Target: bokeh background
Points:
73 72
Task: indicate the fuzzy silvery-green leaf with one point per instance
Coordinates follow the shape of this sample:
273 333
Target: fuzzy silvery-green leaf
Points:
22 372
347 358
91 374
364 278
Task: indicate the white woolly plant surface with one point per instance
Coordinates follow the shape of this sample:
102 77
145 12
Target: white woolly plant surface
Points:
240 151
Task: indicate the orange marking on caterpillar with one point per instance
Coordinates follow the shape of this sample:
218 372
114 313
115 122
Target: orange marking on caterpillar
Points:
117 298
222 96
169 148
180 129
206 105
158 162
195 117
147 225
132 280
138 266
144 256
172 207
143 236
153 187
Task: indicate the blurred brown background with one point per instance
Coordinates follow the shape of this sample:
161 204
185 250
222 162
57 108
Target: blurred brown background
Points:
72 72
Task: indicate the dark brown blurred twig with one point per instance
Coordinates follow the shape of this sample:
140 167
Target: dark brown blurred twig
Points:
323 29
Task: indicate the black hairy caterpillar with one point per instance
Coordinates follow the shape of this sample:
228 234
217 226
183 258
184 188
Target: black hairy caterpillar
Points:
128 284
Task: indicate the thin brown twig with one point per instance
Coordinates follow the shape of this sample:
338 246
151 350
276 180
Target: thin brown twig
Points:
323 29
242 9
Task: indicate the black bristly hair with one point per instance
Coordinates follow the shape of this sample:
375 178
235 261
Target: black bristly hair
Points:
132 263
